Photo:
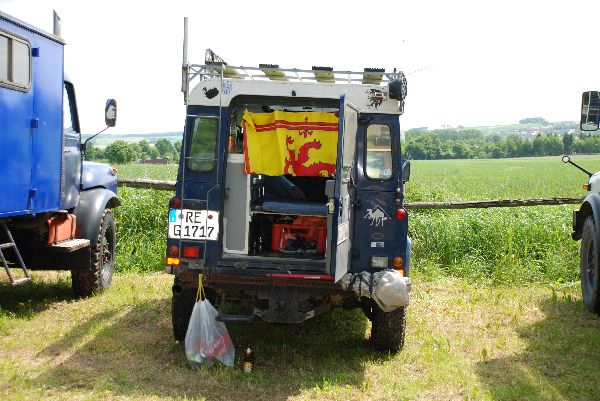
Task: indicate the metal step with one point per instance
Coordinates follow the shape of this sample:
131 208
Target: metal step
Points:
234 318
71 245
21 281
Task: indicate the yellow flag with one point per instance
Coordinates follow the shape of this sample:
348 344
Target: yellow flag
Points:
281 142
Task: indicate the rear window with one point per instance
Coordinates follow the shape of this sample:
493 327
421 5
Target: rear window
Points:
15 62
379 165
203 144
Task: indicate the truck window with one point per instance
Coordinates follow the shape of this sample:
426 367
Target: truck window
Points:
67 116
15 62
203 144
379 152
3 58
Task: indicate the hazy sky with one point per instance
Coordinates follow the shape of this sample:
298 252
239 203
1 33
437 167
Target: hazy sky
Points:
485 62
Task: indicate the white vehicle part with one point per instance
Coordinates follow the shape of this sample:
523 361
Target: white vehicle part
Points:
388 288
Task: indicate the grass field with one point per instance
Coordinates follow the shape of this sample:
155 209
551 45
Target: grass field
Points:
464 342
496 311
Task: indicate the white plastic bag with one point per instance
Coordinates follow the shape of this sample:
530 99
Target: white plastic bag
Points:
207 339
388 288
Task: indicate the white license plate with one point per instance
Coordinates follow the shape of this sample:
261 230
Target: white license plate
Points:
194 224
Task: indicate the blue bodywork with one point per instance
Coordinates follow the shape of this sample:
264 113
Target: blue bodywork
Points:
41 159
205 190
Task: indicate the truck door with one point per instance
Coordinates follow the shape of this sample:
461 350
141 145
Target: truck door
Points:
341 214
16 111
200 177
379 194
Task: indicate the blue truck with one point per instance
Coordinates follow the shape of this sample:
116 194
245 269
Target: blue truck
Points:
290 195
55 211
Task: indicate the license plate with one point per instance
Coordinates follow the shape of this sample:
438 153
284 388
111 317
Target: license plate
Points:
194 224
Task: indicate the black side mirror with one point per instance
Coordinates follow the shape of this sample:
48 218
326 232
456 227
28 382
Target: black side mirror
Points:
110 113
406 171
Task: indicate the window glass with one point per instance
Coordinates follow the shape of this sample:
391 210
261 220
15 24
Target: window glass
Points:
67 119
21 63
204 144
3 58
379 164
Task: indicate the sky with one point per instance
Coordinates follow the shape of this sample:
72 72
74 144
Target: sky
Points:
468 63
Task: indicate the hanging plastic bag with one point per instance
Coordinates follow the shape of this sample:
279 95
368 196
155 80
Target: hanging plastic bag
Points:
207 339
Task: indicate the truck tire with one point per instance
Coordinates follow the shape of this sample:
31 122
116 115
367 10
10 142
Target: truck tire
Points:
102 263
589 266
181 309
387 329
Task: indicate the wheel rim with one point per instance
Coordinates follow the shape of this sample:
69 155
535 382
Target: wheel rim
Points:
589 272
107 250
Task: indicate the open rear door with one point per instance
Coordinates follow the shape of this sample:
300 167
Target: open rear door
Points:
341 196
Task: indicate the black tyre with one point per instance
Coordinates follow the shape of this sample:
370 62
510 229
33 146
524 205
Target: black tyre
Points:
181 311
387 328
102 263
182 305
588 266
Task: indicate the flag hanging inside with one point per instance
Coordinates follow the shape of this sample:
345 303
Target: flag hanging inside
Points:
281 142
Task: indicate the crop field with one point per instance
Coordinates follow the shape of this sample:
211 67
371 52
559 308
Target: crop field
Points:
495 314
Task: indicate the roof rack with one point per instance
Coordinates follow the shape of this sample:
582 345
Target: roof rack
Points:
272 72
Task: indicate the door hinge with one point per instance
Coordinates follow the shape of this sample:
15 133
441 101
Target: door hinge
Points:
35 122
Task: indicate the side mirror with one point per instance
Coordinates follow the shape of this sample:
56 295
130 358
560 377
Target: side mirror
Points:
590 111
406 171
110 113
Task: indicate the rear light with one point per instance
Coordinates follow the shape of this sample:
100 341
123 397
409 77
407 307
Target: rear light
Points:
192 252
173 251
379 261
398 262
173 261
400 213
175 203
587 187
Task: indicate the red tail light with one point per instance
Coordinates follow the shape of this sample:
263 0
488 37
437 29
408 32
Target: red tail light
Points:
401 214
192 252
175 203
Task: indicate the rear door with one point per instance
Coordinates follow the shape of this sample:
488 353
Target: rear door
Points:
341 214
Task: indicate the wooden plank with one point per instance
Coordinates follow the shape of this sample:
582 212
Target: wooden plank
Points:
147 184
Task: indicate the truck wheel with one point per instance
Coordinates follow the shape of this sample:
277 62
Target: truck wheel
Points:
387 329
181 309
588 266
99 275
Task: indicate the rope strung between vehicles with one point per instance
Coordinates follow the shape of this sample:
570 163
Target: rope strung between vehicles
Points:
170 186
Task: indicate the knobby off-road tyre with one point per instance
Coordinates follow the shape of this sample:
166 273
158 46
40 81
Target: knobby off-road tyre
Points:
181 310
387 329
102 262
589 266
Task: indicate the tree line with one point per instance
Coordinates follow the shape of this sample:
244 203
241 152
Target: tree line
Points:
121 152
474 144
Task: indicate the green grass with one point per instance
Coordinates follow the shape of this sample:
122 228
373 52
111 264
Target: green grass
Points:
464 342
498 245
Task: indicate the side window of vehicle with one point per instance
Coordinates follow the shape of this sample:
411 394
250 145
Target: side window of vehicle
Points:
379 161
67 116
203 147
15 62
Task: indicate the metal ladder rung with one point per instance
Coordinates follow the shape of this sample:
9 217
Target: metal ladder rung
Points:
11 244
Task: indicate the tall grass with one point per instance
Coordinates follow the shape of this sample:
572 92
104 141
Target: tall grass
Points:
501 245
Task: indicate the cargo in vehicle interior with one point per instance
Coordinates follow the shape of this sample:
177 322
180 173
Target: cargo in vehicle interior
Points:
289 192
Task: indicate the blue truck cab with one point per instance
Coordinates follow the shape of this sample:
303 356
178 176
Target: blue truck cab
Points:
55 212
290 193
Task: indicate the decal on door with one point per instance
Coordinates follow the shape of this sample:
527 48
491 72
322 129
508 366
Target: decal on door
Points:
377 216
